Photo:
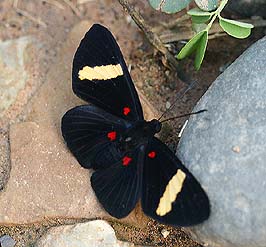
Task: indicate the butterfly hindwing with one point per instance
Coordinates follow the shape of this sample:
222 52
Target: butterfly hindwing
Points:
91 132
118 187
170 193
100 75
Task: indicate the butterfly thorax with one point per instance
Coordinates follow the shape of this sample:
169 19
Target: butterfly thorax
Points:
139 133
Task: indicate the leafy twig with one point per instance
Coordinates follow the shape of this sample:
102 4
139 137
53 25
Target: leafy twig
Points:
186 33
199 42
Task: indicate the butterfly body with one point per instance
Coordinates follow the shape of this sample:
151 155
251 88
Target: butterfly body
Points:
139 134
112 137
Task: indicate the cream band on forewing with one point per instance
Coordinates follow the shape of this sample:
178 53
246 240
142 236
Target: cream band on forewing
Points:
104 72
172 189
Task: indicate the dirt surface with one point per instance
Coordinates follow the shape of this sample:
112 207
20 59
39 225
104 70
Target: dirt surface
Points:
151 235
50 21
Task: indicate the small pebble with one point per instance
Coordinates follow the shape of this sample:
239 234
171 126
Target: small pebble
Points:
7 241
167 72
167 105
236 149
165 233
128 19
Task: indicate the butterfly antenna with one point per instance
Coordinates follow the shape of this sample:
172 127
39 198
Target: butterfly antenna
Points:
179 96
184 115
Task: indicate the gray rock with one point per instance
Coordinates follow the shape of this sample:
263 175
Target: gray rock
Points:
225 149
7 241
97 233
248 8
13 74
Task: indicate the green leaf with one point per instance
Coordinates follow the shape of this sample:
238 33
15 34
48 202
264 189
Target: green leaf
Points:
200 19
199 16
190 46
236 29
198 45
199 12
155 4
201 49
169 6
207 5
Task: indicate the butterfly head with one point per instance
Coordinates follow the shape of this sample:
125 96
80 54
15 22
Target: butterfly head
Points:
155 126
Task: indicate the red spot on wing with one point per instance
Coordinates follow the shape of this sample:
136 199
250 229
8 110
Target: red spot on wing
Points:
112 135
152 154
126 160
126 110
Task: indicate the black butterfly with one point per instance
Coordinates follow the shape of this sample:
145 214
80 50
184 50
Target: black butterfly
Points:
112 137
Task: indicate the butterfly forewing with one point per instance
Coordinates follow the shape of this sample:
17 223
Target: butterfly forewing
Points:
118 187
88 130
170 193
100 75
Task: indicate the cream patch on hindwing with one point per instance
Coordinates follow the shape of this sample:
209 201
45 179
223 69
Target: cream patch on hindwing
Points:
104 72
172 189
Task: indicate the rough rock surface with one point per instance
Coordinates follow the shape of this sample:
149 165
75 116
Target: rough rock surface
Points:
248 8
97 233
225 149
46 181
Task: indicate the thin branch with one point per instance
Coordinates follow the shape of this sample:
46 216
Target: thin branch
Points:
28 15
177 22
73 7
217 35
79 2
54 3
154 39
